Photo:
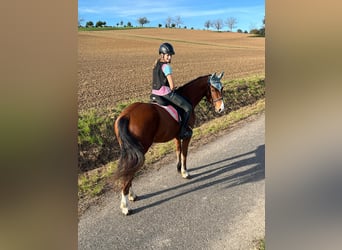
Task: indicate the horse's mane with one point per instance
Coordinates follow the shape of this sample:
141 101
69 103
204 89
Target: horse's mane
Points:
180 89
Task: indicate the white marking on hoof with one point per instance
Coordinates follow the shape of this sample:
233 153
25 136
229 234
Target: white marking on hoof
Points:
124 204
131 195
185 174
126 211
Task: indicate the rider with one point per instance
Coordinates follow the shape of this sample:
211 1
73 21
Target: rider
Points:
163 85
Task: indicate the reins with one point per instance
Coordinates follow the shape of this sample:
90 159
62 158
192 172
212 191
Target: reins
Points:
216 100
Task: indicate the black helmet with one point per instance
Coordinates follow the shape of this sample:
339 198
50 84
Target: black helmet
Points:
166 48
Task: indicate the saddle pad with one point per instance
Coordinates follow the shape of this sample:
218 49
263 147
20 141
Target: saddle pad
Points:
171 110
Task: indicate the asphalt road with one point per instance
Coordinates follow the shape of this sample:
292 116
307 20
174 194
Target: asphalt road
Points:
221 207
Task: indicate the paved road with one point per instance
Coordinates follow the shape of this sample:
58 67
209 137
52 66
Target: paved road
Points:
220 207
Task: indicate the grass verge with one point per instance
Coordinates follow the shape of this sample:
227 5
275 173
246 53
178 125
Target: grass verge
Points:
260 244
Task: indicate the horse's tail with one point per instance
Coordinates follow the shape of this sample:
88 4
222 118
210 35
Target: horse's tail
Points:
131 156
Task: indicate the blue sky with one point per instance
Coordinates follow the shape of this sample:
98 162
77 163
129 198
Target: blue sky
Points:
193 13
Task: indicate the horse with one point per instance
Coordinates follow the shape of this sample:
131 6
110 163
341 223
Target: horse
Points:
141 124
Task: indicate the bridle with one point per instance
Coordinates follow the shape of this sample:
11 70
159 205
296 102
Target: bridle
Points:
213 101
216 100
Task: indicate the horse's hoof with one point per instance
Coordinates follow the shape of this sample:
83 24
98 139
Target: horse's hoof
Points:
127 212
186 176
135 198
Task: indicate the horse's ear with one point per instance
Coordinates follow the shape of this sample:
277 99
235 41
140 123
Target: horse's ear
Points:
220 75
213 75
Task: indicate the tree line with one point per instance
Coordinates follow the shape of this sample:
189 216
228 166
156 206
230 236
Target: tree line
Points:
175 22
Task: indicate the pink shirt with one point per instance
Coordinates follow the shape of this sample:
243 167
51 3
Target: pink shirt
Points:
164 90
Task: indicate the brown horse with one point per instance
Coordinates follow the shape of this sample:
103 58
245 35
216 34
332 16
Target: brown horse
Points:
141 124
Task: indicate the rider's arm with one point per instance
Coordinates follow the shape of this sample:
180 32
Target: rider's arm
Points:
168 73
169 78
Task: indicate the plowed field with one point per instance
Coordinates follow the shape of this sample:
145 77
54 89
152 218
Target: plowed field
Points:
116 65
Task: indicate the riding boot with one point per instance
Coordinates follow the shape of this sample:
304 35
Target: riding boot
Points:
186 131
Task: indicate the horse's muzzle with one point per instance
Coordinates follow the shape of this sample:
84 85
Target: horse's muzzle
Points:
220 108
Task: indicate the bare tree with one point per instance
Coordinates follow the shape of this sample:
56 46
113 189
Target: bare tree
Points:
207 24
168 22
218 24
142 21
231 21
178 21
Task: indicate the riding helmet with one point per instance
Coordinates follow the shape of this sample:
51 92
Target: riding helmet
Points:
166 48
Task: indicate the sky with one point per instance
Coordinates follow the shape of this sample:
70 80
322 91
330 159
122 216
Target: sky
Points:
193 13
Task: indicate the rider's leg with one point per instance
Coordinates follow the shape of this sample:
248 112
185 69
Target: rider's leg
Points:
179 101
185 130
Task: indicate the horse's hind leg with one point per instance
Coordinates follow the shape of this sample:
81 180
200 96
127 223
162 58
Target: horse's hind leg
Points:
126 195
131 195
124 204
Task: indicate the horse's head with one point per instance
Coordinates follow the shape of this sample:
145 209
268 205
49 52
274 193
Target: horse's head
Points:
214 94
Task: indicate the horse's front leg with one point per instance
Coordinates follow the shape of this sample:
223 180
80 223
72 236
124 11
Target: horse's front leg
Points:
184 154
178 153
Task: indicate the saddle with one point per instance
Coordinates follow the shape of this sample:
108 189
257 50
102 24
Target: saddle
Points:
175 112
160 100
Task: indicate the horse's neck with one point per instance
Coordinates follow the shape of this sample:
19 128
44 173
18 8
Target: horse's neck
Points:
196 90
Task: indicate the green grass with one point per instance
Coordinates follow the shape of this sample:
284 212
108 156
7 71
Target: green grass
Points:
260 244
93 183
89 127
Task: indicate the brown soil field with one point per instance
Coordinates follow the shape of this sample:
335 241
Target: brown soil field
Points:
116 65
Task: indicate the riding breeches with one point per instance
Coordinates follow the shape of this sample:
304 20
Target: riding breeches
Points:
179 101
